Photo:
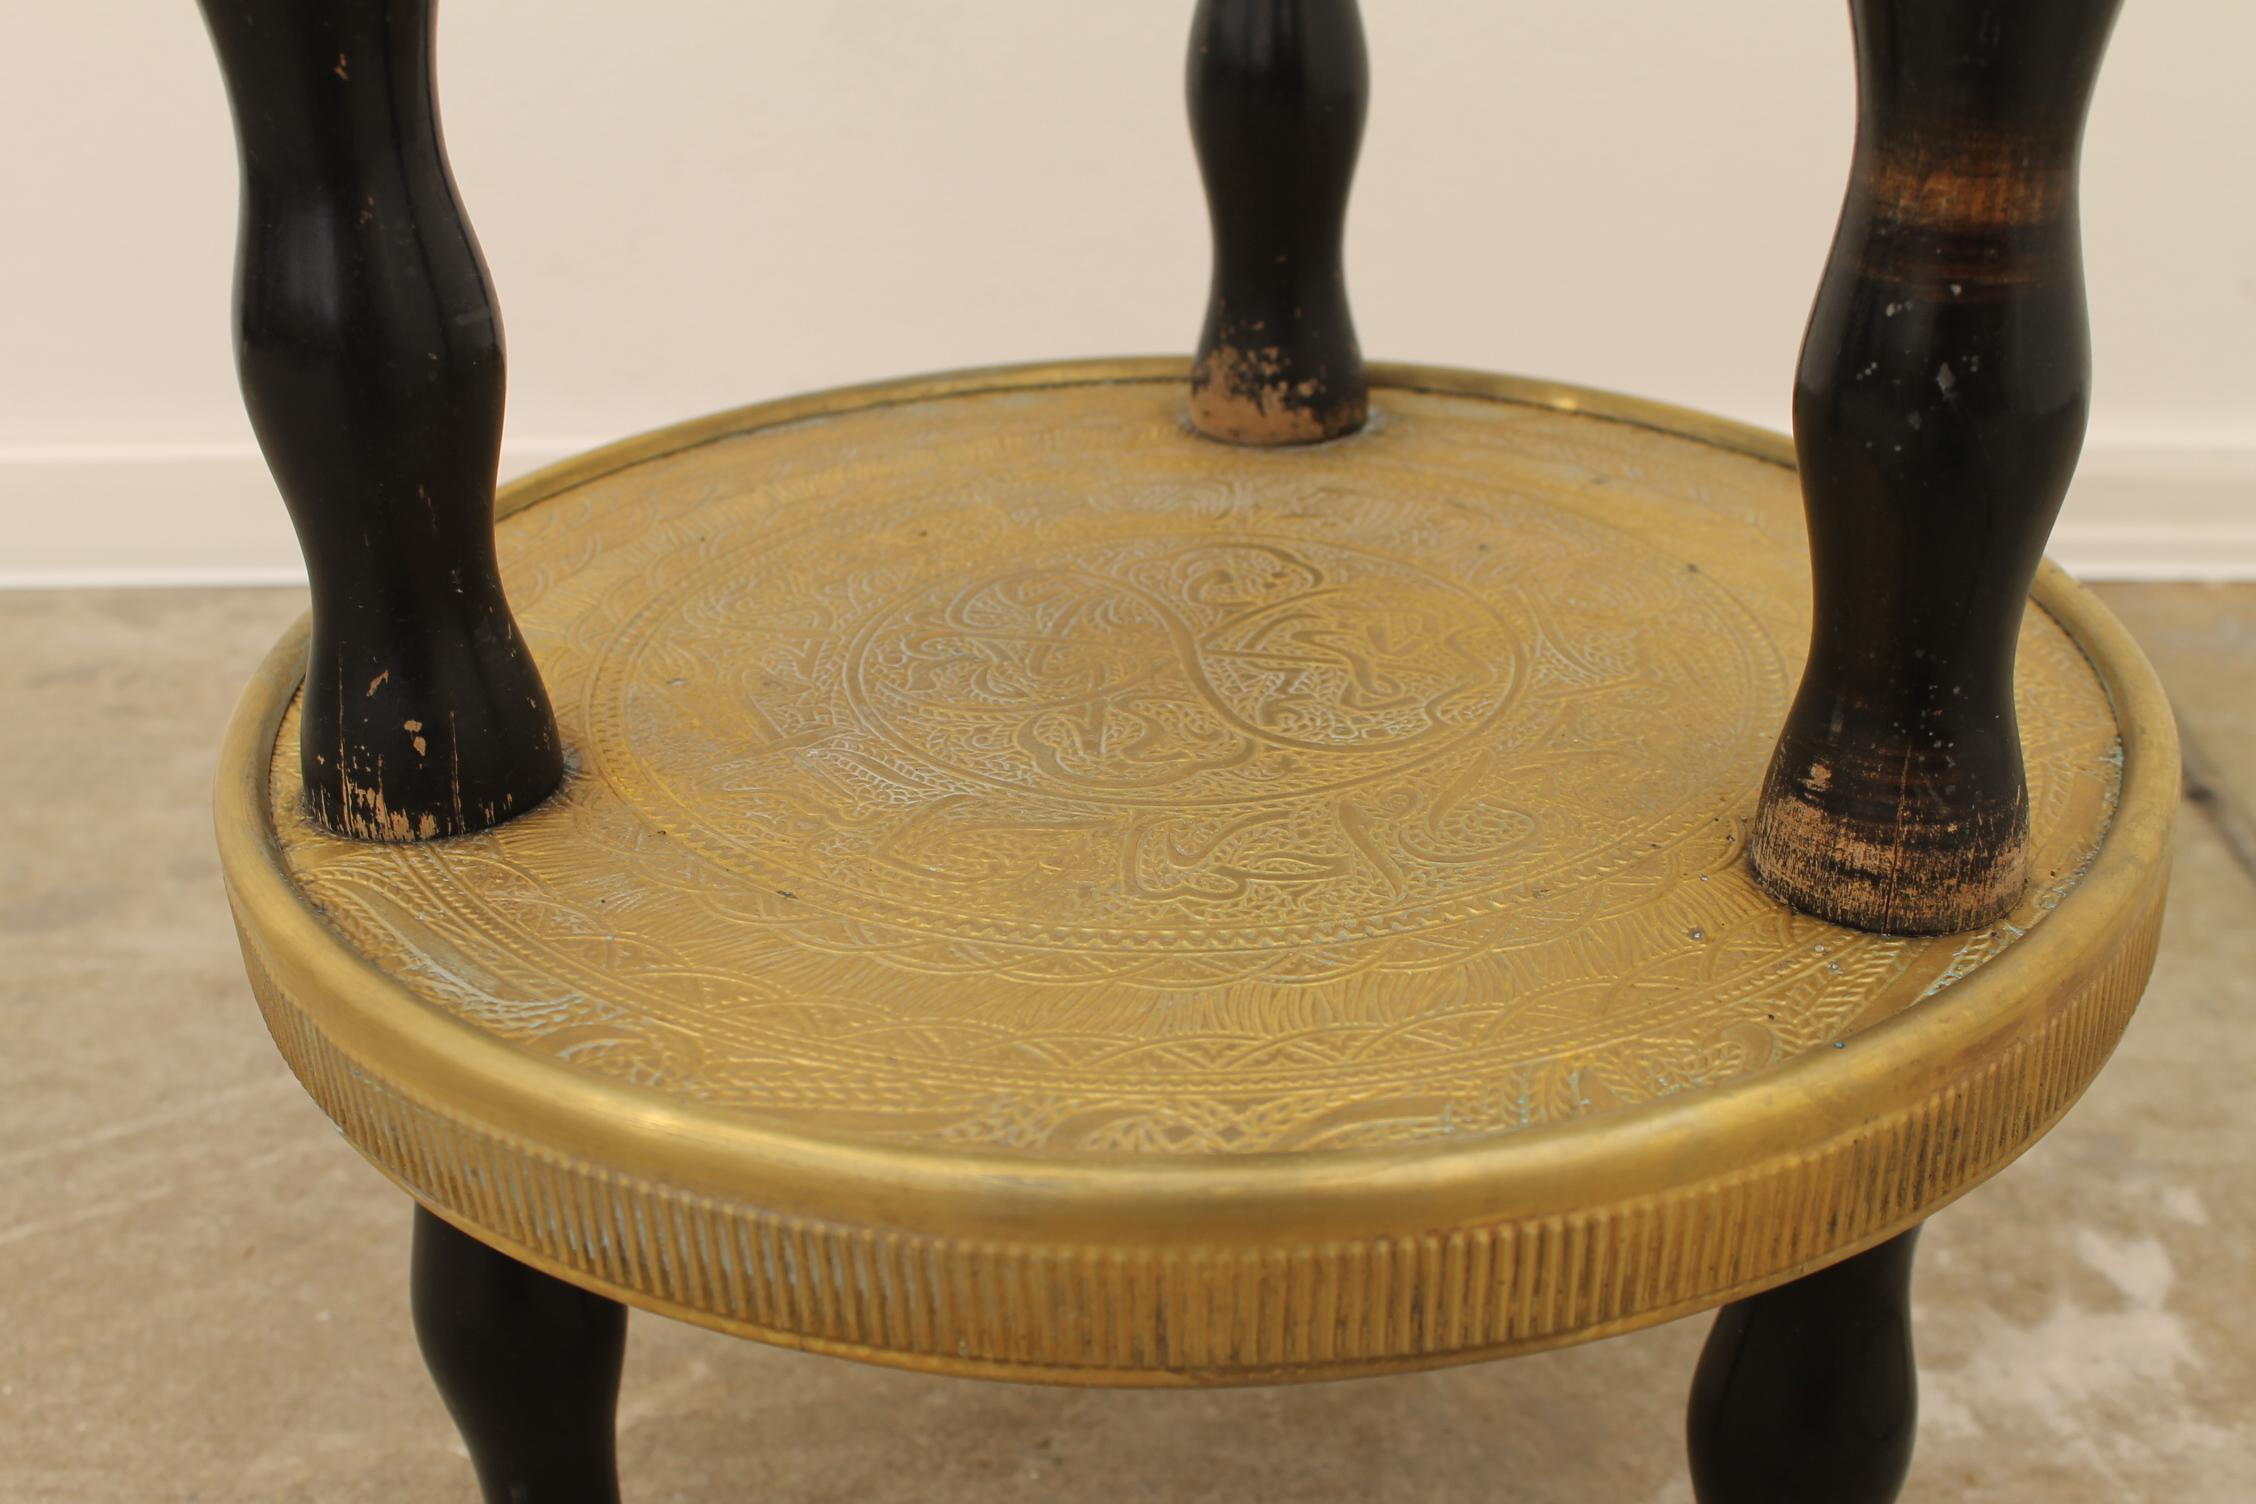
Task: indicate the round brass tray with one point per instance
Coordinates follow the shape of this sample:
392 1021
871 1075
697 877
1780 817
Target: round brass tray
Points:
1040 894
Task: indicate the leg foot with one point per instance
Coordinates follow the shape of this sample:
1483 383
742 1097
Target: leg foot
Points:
527 1364
1805 1394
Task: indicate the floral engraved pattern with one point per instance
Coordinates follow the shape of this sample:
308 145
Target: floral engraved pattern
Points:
1018 769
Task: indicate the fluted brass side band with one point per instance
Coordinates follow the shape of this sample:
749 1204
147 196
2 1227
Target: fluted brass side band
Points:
1205 1314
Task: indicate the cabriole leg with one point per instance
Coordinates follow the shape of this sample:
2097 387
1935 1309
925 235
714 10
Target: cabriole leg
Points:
1806 1394
527 1364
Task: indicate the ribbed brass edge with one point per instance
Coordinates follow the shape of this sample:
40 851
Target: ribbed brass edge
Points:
1247 1269
1203 1314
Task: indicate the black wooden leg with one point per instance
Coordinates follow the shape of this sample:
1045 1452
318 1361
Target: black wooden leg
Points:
528 1366
1805 1394
1938 411
370 350
1278 91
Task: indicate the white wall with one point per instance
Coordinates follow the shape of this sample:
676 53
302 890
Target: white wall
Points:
689 204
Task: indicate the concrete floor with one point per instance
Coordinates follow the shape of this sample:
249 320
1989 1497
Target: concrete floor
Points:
202 1292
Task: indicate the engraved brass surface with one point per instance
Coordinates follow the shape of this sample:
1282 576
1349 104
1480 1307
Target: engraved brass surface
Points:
1010 838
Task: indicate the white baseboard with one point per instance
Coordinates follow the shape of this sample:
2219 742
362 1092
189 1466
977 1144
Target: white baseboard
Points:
2161 511
189 515
162 515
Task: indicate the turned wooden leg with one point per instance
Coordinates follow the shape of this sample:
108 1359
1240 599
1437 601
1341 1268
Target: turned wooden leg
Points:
528 1366
1278 91
1806 1394
1938 413
370 352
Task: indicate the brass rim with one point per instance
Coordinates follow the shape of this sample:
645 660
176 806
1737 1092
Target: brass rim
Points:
2097 943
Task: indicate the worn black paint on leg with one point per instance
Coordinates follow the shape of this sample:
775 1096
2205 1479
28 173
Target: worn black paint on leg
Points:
1806 1394
1278 92
1938 413
528 1366
370 352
